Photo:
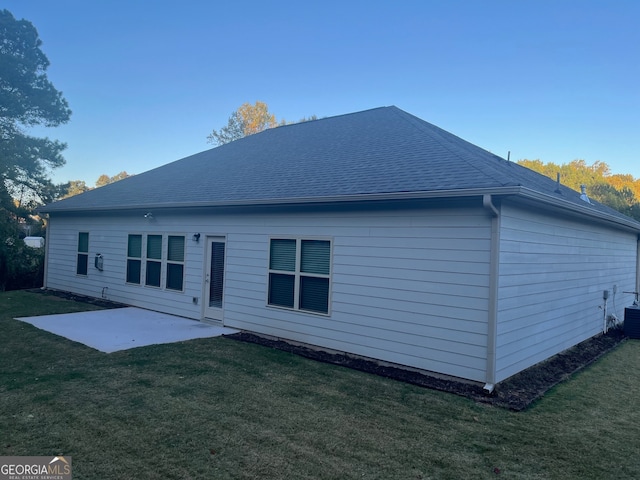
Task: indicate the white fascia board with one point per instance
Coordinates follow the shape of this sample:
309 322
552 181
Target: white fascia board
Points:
296 201
586 210
516 191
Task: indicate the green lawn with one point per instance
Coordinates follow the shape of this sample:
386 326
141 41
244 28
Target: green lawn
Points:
217 408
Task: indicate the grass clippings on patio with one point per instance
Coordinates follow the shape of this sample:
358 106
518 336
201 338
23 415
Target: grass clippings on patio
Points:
216 408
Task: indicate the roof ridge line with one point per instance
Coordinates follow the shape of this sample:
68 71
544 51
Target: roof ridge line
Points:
446 143
331 117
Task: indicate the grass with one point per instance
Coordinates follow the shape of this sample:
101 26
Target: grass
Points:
217 409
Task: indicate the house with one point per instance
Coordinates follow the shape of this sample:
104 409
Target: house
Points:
373 233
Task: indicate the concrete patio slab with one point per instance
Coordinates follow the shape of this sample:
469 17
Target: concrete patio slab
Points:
124 328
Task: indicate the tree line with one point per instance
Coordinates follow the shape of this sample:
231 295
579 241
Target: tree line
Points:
29 99
618 191
76 187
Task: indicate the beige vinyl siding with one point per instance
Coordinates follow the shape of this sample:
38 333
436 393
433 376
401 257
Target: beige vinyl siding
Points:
408 286
553 271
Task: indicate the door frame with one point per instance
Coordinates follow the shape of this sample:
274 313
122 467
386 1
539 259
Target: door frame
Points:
212 314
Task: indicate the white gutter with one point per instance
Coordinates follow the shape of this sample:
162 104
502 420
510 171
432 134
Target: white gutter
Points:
366 197
515 190
587 209
492 314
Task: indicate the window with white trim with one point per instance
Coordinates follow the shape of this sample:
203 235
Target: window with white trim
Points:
156 261
82 259
134 259
300 274
175 262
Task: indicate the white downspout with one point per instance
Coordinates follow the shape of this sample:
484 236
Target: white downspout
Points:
46 253
492 320
638 265
605 297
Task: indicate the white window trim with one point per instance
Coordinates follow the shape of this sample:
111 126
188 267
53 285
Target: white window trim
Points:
163 261
297 274
86 254
167 262
160 260
140 258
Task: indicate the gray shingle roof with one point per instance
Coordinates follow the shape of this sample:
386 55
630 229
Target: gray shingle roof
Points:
375 152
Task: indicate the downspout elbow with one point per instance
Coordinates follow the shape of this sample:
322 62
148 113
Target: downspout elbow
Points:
487 203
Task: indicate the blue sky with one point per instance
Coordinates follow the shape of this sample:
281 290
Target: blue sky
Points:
555 80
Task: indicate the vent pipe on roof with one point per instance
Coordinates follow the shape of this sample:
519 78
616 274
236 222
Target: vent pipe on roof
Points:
558 183
583 194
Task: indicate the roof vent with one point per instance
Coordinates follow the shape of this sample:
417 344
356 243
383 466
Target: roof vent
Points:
557 190
583 194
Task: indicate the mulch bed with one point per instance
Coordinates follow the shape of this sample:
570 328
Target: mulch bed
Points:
100 302
516 393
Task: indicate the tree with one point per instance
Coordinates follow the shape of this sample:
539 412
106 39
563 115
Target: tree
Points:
27 99
620 192
246 120
106 179
73 187
76 187
284 122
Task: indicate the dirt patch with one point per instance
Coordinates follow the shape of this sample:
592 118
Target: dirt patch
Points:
516 393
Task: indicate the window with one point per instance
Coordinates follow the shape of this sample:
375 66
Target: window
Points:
299 274
83 253
134 259
175 262
156 261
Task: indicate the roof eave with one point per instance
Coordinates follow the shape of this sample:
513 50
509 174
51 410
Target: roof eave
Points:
331 199
513 190
586 210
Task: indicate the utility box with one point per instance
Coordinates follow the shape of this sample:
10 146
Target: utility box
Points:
632 322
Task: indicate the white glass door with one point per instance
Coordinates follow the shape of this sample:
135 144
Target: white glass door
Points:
214 278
